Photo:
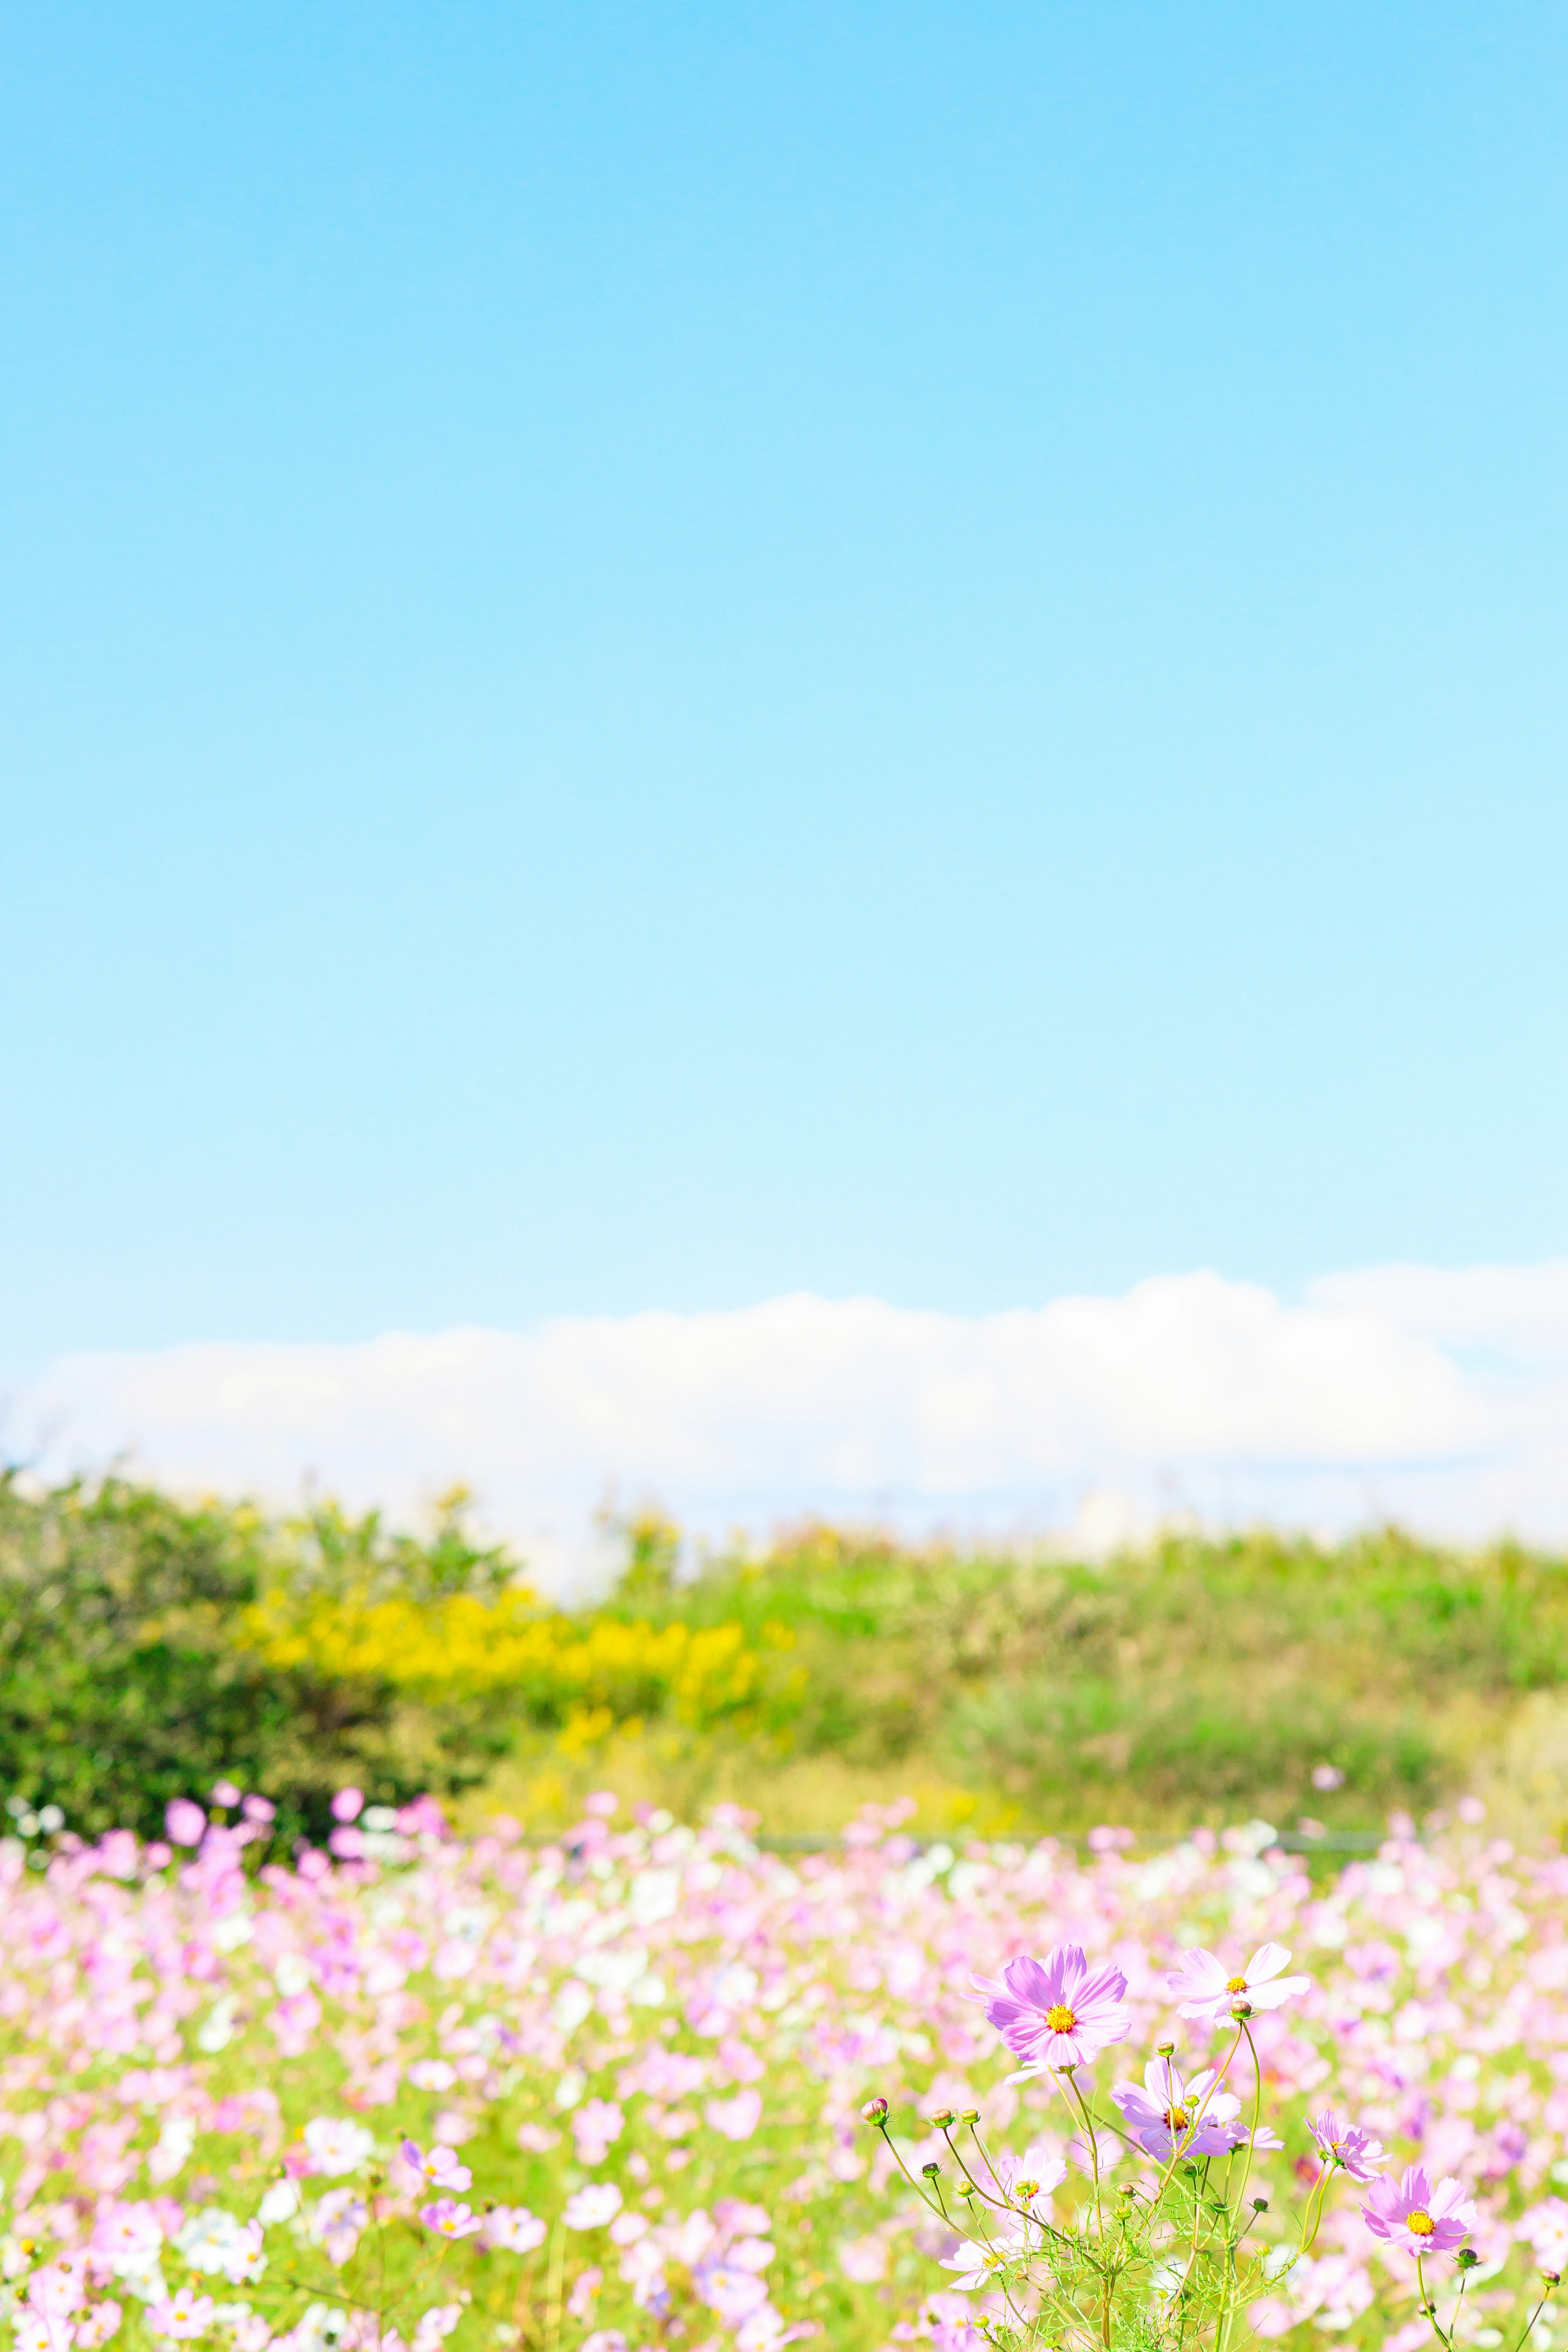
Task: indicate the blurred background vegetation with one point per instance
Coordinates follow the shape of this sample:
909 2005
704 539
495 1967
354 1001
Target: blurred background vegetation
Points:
153 1646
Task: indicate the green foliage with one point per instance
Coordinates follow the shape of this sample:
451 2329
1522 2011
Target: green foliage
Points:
1202 1680
1198 1680
124 1682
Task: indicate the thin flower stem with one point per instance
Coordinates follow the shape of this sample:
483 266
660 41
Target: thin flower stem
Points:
1534 2316
1257 2107
957 2155
916 2186
1177 2151
553 2291
1428 2305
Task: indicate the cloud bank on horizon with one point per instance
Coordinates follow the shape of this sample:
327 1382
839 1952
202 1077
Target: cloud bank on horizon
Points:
1439 1398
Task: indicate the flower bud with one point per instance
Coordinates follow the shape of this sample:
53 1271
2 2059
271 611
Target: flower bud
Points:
930 2170
944 2120
1466 2258
875 2111
1551 2277
1260 2204
1241 2008
969 2116
1164 2049
1023 2189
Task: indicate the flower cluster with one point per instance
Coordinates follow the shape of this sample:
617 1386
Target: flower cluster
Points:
605 2090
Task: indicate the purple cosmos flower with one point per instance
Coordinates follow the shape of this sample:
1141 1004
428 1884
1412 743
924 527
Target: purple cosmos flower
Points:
449 2220
1053 2012
1206 1990
1346 2145
1413 2214
1168 2116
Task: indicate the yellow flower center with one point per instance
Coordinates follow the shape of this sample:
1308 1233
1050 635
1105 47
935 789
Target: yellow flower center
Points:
1236 1984
1177 2118
1059 2017
1422 2223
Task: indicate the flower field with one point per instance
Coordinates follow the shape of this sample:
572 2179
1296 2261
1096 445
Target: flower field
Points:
608 2091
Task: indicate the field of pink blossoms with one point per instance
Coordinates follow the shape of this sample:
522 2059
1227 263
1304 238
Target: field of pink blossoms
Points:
630 2067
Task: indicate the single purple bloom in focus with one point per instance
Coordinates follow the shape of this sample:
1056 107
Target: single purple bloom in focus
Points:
1206 1990
1169 2116
1054 2012
1413 2214
1346 2145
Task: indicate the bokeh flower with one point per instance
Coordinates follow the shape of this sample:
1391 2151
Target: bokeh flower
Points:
449 2219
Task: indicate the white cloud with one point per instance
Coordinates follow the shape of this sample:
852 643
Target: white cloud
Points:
1439 1397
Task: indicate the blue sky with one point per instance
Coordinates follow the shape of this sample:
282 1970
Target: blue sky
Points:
654 655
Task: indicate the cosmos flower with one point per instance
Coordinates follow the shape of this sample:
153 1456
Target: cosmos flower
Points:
1169 2117
183 1821
976 2266
450 2220
1347 2146
1205 1990
128 2239
1413 2213
214 2241
440 2168
181 2316
1055 2013
514 2229
336 2146
591 2208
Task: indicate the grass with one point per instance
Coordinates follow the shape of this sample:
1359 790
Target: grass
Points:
153 1646
1202 1681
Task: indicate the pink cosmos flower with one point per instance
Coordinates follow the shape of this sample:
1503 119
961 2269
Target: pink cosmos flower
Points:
435 2325
41 2331
56 2288
440 2168
181 2316
128 2238
1167 2116
977 2265
1206 1990
1040 2170
1054 2013
594 2126
335 2145
591 2208
1347 2146
1413 2214
514 2229
183 1821
450 2220
735 2118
